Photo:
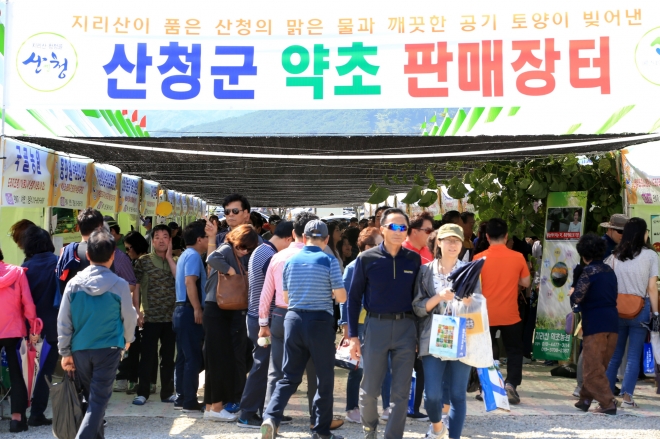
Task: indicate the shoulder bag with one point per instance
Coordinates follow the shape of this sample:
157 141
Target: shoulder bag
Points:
628 305
232 291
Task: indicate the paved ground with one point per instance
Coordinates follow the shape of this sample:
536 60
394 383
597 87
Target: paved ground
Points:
546 411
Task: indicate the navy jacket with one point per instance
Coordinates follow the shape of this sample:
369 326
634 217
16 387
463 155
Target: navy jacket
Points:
385 283
596 292
43 285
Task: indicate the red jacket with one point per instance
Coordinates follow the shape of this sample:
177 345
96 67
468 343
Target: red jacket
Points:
16 302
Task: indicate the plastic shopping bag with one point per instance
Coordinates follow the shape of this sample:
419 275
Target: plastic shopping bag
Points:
448 337
68 410
343 356
492 389
411 394
655 346
649 362
479 348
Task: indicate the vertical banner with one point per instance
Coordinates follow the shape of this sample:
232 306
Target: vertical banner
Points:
105 188
149 199
204 209
564 227
171 197
189 205
179 203
129 195
71 181
197 206
655 232
27 175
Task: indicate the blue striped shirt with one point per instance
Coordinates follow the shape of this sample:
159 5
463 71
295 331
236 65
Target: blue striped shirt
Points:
259 262
309 277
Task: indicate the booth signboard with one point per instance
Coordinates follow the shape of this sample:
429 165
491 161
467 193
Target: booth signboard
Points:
189 205
640 170
172 199
129 199
516 63
179 203
564 227
655 232
27 174
149 199
71 181
104 195
196 206
204 209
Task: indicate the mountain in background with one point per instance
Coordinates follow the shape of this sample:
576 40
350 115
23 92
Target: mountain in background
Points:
168 123
291 122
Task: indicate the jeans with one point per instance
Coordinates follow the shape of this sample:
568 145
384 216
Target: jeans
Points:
151 334
307 335
355 376
188 365
453 375
631 332
254 393
96 370
41 388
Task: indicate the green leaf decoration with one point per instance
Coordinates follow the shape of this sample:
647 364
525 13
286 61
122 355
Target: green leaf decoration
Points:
655 126
424 125
380 195
433 119
475 114
604 165
418 180
373 187
428 199
445 126
458 121
434 131
524 183
493 113
413 195
386 179
433 184
513 111
573 128
396 179
405 179
616 117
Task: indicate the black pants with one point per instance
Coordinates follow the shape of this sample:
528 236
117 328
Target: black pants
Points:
219 356
41 388
239 340
152 333
512 338
419 383
19 397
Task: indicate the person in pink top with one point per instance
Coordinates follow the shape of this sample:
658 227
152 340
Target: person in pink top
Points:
273 287
421 226
17 307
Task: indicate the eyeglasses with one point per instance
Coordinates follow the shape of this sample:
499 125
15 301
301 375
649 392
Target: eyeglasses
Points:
396 227
427 230
235 211
244 249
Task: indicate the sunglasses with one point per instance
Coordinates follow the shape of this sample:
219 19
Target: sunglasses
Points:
427 230
396 227
243 248
235 211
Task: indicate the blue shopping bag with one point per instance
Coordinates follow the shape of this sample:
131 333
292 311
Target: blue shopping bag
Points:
649 362
411 394
492 389
448 336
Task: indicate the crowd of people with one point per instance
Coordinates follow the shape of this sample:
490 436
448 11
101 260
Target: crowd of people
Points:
255 307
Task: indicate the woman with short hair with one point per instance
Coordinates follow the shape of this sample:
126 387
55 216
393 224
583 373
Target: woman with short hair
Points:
636 269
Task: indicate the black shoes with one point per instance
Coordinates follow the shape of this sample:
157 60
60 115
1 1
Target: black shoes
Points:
39 421
18 426
583 405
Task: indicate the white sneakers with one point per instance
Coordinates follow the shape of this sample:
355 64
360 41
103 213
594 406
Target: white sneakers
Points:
433 435
354 416
222 416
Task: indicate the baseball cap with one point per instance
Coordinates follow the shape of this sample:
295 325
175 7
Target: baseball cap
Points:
173 225
316 229
451 230
617 221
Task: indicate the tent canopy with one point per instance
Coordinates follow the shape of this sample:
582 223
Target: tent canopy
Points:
314 170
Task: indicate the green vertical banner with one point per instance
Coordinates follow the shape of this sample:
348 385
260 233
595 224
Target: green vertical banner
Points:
564 226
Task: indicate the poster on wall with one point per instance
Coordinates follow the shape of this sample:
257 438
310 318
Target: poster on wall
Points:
104 195
71 181
149 199
27 174
564 227
655 232
129 199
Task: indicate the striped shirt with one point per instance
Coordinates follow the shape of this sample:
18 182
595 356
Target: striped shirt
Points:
257 268
273 282
309 278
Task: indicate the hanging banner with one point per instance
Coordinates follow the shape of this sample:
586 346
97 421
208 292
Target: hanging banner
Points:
641 173
179 203
149 199
189 205
564 227
204 209
129 198
197 206
341 55
105 188
27 174
71 181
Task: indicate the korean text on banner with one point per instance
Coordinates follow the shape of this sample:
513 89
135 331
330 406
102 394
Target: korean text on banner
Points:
129 200
71 181
564 225
641 173
105 188
197 207
27 175
179 209
149 199
189 205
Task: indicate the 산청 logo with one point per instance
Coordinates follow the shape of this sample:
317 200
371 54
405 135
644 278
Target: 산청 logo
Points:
46 61
647 56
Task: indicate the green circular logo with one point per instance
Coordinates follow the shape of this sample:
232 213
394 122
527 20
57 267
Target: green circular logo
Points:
46 62
647 56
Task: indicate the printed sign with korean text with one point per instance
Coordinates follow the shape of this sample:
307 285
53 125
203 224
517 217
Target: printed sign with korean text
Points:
104 195
149 199
129 199
27 175
71 181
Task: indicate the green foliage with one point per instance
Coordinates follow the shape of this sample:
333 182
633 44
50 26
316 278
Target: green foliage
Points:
379 195
413 195
428 199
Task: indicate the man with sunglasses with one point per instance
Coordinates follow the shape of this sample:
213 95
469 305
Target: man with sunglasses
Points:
421 226
384 280
613 231
237 212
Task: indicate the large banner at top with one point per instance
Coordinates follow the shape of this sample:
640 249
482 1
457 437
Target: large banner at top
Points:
335 55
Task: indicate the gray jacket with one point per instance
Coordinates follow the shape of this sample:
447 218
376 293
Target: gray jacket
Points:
424 290
220 261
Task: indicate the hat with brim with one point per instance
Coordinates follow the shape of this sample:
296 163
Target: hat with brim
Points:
451 230
617 221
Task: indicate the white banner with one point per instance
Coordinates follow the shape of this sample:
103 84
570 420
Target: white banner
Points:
105 188
129 194
335 55
149 199
640 169
27 174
